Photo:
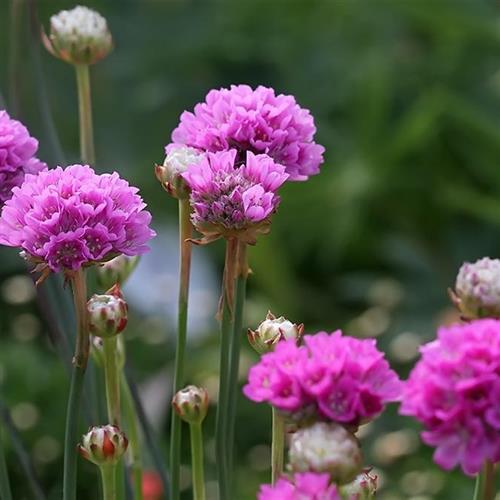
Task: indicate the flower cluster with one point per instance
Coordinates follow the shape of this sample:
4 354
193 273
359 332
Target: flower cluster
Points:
228 199
454 390
254 120
331 377
73 217
307 485
17 155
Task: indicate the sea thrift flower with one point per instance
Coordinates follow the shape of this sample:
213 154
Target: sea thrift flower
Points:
234 201
66 219
271 331
17 155
477 289
191 404
331 377
324 447
177 160
108 313
302 486
78 36
103 445
254 120
454 390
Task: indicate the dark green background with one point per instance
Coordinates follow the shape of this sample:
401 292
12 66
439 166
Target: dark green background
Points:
406 97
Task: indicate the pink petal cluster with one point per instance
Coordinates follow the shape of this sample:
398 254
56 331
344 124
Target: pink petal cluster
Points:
73 217
254 120
454 390
17 155
303 486
332 377
231 196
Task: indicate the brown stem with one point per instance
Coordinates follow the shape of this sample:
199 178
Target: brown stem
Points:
79 285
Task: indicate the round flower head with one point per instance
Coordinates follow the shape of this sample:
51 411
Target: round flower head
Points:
103 445
107 313
302 486
64 219
17 155
331 377
234 201
254 120
324 447
78 36
364 487
477 289
454 390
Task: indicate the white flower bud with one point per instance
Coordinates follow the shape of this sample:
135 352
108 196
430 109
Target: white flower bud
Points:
271 331
108 314
103 445
78 36
191 404
328 448
364 487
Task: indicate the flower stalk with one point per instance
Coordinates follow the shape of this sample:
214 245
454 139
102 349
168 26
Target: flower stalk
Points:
185 233
108 478
485 482
5 490
277 446
80 359
197 461
112 375
85 111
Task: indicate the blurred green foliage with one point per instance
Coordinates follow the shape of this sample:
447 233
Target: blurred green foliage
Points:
406 96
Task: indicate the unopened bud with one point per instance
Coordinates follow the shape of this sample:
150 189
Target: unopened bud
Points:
107 313
191 404
477 289
177 161
97 351
116 270
78 36
363 487
328 448
103 445
271 331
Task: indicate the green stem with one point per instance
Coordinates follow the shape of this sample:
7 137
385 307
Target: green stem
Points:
80 360
5 491
197 462
278 445
108 476
85 110
235 341
485 482
134 449
185 232
226 329
112 379
15 60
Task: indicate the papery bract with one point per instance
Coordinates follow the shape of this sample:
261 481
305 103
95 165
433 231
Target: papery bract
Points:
257 120
454 390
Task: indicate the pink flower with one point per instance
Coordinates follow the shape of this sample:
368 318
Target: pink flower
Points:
70 218
302 486
454 390
254 120
17 155
228 198
338 378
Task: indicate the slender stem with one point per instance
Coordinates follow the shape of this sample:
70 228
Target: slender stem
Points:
134 449
75 394
485 482
85 110
278 445
197 461
185 232
112 380
5 491
226 329
108 476
241 285
15 70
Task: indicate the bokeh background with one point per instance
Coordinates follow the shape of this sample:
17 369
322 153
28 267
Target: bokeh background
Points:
406 97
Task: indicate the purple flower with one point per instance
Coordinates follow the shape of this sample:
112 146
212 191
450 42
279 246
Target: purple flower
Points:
73 217
337 378
17 155
302 486
228 199
254 120
454 390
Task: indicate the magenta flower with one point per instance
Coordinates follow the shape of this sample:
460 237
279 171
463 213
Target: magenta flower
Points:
303 486
331 377
17 155
65 219
254 120
454 390
232 200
